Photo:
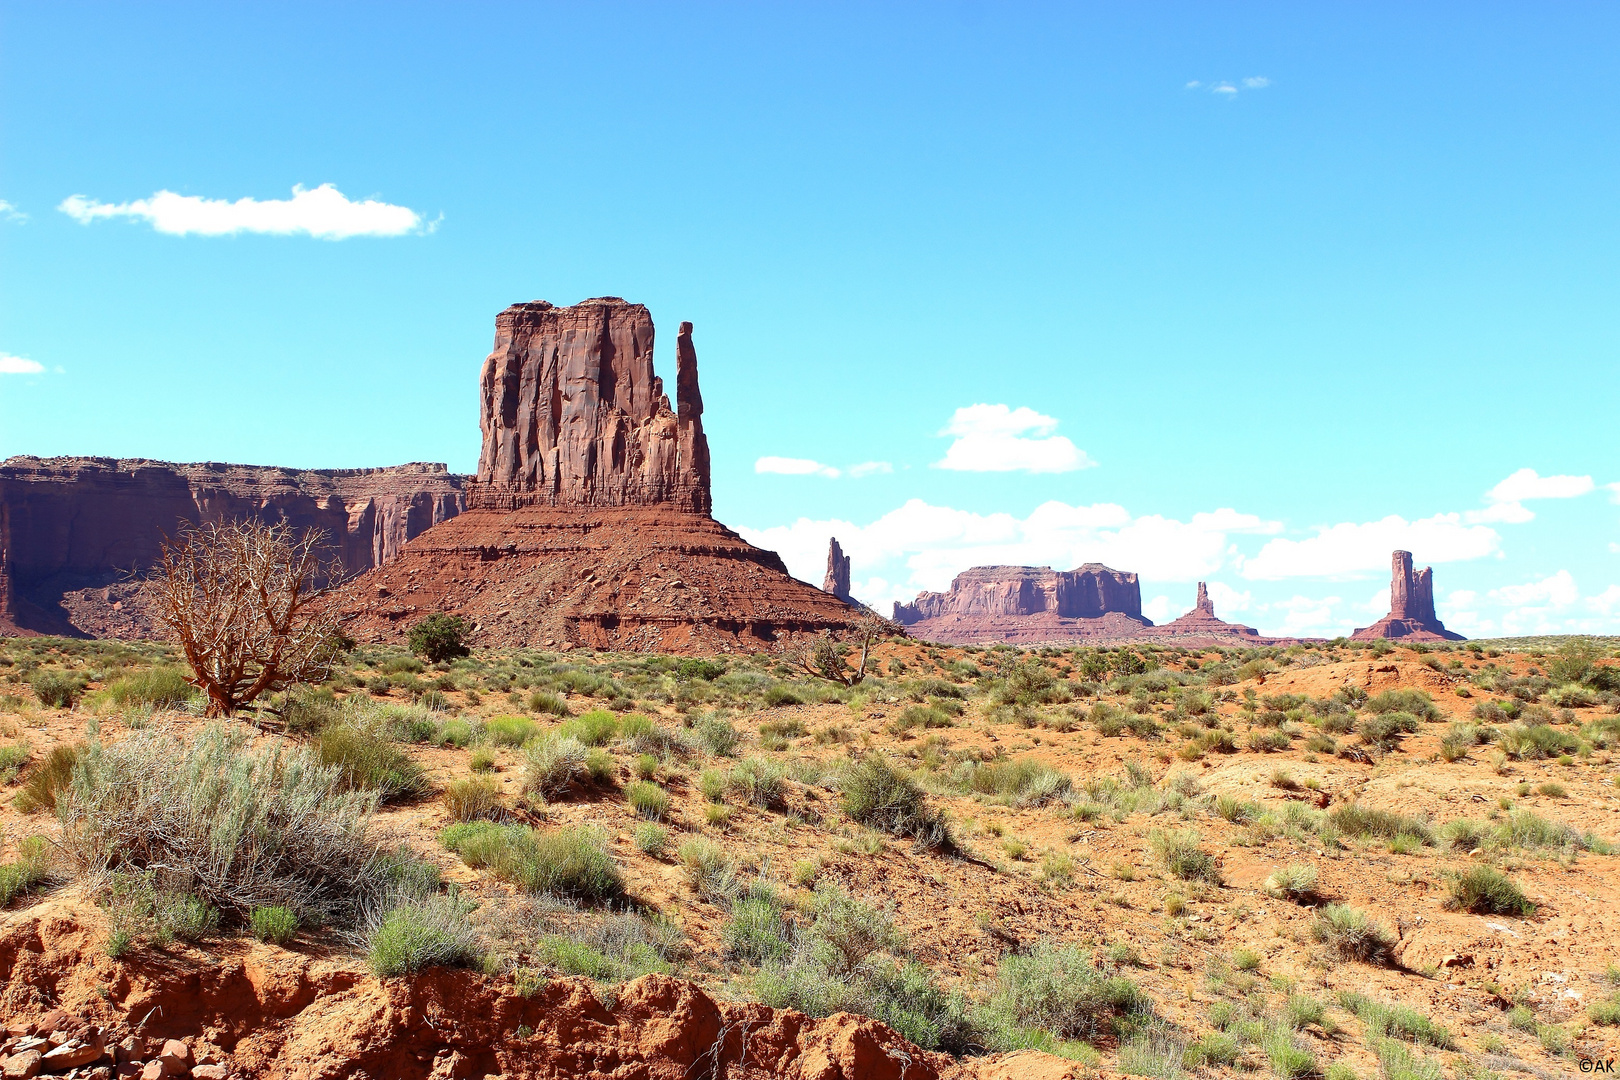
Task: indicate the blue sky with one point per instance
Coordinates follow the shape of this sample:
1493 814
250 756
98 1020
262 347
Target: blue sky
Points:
1243 292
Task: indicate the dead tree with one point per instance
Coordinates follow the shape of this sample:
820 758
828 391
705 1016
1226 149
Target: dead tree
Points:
825 658
239 599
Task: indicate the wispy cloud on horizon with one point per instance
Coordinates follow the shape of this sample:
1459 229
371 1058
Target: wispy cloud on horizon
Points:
1227 88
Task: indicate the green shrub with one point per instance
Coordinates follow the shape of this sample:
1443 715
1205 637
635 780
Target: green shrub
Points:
1395 1021
1183 857
782 694
1413 702
471 798
757 931
481 760
1484 890
709 870
12 759
46 781
1024 782
876 795
701 669
712 785
1296 882
1351 934
28 873
717 736
159 687
1383 730
1058 990
1605 1011
600 766
439 637
651 839
365 759
921 716
846 931
759 781
648 800
1529 742
595 728
1352 819
273 924
1464 834
57 689
553 764
542 702
510 730
572 861
421 933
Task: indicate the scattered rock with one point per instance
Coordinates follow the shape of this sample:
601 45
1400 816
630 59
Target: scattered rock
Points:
23 1066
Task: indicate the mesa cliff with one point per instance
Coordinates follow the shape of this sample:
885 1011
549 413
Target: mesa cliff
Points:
1029 604
589 520
1411 606
76 531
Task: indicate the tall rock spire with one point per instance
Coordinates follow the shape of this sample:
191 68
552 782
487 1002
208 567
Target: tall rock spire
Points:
837 579
1411 606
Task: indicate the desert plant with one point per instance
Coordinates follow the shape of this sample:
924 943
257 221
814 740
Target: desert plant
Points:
1352 934
239 598
439 637
1395 1021
422 932
542 701
553 764
1484 890
757 931
472 797
1057 989
709 870
273 923
58 689
1384 729
160 687
1352 819
29 872
1415 703
651 838
367 759
648 800
758 780
46 781
880 797
1296 882
595 728
1183 857
510 730
234 827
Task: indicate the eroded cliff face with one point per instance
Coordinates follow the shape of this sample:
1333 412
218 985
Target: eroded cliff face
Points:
1411 606
73 531
837 580
573 415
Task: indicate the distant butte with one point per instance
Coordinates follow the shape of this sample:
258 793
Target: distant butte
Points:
588 522
1411 606
1028 604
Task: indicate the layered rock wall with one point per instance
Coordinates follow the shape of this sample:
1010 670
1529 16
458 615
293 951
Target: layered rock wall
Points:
73 531
573 415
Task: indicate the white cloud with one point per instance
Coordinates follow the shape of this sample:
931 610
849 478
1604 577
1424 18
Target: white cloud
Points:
1308 616
324 212
1557 590
1525 484
995 438
1352 549
8 212
919 546
1256 82
1225 598
1223 88
1606 602
17 365
1505 513
1614 492
788 466
1158 609
870 468
1194 84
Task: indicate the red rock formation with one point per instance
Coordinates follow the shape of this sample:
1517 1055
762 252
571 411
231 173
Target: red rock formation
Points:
574 416
1200 627
588 523
1411 606
1029 604
837 579
72 530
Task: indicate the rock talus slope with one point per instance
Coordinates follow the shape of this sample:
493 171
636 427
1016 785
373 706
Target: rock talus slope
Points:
588 522
73 530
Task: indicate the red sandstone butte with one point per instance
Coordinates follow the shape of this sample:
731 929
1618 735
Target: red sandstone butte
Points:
837 580
73 530
1411 606
1030 604
588 523
1200 626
